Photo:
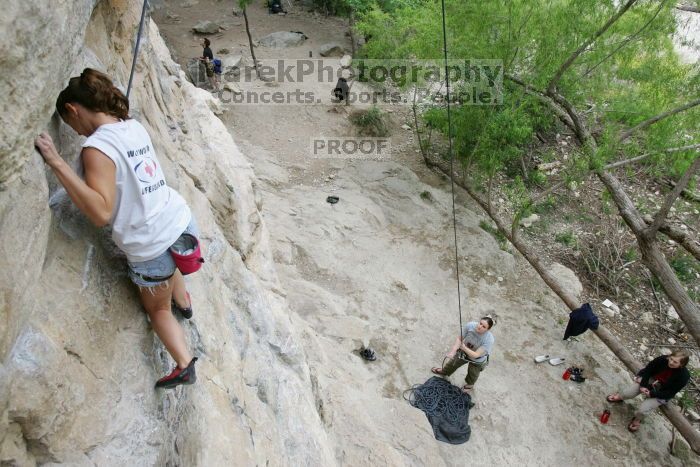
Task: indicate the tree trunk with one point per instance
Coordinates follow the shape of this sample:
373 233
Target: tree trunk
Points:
250 43
653 258
656 118
660 216
680 236
687 310
690 8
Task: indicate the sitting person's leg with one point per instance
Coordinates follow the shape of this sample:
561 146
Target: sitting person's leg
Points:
647 406
629 392
644 408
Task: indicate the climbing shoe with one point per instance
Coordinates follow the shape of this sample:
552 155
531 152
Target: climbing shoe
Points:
368 354
178 376
185 311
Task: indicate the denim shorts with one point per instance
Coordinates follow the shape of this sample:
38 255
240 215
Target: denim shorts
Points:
158 270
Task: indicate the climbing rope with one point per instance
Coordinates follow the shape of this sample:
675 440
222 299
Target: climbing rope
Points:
449 139
136 49
438 398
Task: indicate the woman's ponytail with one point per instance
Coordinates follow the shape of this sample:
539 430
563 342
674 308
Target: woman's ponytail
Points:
94 91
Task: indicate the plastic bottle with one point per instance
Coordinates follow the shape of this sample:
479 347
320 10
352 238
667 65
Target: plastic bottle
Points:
605 416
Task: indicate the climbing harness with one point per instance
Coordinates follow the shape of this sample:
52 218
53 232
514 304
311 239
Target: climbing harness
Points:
136 48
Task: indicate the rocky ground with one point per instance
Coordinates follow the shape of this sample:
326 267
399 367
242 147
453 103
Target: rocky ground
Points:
377 268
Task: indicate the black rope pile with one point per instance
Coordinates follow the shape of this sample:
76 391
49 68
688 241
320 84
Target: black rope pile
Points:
446 407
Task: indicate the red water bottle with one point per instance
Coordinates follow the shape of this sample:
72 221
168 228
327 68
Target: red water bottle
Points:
567 374
605 416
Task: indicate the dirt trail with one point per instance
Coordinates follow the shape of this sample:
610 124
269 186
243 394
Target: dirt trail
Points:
378 268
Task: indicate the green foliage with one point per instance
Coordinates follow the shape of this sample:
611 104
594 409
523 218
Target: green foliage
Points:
627 75
425 195
686 267
685 399
606 202
567 238
371 122
546 206
630 254
537 178
345 7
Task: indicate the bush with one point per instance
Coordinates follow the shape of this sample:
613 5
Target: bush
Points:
371 122
686 268
567 238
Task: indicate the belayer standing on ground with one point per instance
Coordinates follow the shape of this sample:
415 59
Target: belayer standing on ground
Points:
208 59
473 348
124 187
658 382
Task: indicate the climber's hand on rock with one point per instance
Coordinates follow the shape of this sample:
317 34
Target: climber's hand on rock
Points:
44 144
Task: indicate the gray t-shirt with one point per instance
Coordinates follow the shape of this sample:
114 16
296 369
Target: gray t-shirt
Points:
474 340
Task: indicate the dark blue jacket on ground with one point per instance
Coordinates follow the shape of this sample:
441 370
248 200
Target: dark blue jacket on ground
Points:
580 320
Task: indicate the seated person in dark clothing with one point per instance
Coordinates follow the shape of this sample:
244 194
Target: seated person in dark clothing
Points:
659 381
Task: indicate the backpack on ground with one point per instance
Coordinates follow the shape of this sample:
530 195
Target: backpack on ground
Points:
217 66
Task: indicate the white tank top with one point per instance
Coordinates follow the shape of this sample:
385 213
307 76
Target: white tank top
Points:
148 215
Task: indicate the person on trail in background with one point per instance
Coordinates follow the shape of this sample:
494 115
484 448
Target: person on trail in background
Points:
658 382
123 186
208 59
473 348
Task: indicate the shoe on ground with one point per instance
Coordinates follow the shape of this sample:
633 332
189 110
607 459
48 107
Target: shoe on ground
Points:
368 354
179 376
577 378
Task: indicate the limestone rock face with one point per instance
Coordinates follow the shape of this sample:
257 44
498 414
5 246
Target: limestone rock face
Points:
567 278
31 63
196 72
283 39
331 49
79 358
206 27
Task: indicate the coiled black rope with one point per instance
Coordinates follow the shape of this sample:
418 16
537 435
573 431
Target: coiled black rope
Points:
438 398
